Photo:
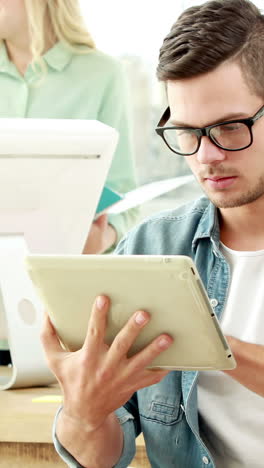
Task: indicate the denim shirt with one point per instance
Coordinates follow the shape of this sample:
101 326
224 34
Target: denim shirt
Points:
167 412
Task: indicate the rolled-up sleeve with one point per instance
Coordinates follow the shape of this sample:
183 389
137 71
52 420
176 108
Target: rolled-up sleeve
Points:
63 453
126 420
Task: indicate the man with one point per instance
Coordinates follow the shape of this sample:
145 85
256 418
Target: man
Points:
212 63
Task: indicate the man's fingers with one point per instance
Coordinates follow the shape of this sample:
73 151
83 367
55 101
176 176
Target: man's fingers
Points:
97 324
126 337
151 377
50 338
145 357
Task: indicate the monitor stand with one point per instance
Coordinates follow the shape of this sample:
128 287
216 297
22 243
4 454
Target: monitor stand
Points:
22 313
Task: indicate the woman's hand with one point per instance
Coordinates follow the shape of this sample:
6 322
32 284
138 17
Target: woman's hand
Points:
101 236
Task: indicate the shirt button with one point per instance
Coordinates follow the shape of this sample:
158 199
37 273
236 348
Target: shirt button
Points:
213 302
205 460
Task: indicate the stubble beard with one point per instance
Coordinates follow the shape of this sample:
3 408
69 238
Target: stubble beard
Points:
235 201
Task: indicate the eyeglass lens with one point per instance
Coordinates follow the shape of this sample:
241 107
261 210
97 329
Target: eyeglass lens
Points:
230 136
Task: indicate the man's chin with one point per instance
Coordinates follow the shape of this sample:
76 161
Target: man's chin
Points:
234 202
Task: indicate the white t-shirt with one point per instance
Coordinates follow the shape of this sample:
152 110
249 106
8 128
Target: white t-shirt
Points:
232 416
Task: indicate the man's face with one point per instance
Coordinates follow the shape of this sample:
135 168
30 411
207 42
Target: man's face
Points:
230 179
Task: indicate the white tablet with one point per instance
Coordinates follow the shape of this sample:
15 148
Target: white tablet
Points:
168 287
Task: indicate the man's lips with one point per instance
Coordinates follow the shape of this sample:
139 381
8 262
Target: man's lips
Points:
220 182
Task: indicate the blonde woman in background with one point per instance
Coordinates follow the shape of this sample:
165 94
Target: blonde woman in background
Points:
50 68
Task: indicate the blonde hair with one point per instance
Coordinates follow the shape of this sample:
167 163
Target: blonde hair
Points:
67 26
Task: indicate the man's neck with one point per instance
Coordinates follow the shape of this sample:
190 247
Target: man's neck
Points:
242 228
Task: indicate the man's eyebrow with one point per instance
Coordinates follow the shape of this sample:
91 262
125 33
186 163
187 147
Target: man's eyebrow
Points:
224 118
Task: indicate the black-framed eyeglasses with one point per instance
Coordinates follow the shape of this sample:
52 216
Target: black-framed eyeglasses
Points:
232 135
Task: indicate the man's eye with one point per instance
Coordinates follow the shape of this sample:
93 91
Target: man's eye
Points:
230 127
184 132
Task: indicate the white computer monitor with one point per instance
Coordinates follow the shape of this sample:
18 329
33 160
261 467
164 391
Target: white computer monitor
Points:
51 176
52 173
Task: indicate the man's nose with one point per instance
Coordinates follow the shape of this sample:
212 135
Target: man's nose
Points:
209 153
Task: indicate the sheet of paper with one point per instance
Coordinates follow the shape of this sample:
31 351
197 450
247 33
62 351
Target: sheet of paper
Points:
147 192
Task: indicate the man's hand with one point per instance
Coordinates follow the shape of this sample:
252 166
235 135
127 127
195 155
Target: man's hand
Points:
101 236
98 379
250 364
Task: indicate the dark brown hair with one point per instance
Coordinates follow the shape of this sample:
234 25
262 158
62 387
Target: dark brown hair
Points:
205 36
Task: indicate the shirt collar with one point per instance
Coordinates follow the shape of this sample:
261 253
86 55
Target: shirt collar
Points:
208 226
58 56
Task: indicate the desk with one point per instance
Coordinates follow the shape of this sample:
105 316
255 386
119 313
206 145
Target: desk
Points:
25 431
